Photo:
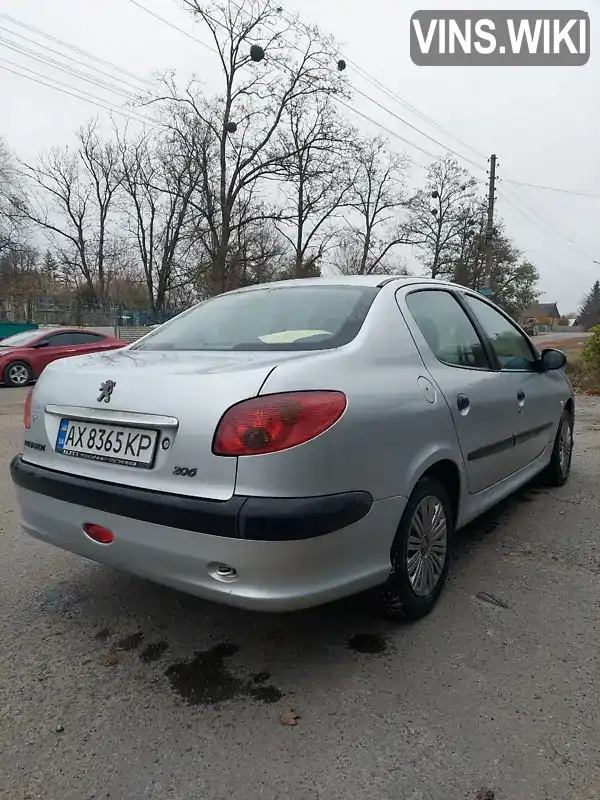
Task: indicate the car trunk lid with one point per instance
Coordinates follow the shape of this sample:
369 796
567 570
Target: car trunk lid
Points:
174 398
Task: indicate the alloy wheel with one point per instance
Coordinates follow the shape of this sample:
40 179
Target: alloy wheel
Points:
426 546
19 375
565 447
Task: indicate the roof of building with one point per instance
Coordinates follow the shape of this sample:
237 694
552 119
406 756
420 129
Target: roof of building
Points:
542 310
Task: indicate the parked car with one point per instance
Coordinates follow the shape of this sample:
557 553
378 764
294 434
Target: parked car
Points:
284 445
24 355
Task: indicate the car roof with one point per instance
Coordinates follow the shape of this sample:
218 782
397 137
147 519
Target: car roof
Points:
60 329
348 280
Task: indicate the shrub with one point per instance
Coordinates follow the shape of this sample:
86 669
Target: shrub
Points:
584 371
590 355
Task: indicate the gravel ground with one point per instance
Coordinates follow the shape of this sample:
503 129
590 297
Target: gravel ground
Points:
112 687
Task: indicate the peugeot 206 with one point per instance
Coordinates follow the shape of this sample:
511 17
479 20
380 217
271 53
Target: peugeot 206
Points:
284 445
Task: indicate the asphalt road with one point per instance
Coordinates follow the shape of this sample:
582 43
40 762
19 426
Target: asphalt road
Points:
562 337
112 687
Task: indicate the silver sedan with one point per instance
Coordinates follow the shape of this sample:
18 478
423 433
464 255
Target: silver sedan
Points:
288 444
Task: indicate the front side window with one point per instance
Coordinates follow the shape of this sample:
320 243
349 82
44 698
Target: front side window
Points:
269 318
61 340
86 338
447 329
511 347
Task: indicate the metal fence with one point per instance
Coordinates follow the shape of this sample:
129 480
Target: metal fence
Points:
48 312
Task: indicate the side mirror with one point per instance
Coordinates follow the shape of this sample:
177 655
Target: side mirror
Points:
41 344
553 359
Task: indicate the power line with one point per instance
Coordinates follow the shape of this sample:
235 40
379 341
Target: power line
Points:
172 25
394 96
73 48
554 189
426 135
54 64
397 98
374 81
69 58
537 221
550 226
77 93
383 127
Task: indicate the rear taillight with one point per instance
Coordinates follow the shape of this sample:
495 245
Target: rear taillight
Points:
27 409
276 422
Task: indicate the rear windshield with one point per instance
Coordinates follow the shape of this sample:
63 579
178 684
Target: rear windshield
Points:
20 339
270 318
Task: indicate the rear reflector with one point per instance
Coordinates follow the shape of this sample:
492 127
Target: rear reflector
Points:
276 422
27 410
98 533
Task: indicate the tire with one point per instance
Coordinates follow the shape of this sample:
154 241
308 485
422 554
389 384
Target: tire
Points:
558 470
17 374
402 596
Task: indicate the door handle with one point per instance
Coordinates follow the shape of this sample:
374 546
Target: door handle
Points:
463 403
520 397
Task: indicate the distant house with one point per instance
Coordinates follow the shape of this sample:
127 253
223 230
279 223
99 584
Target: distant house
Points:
540 314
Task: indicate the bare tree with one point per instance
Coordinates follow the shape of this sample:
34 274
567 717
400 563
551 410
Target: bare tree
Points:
9 227
20 282
348 256
465 261
440 213
317 182
160 178
268 66
70 195
260 255
376 222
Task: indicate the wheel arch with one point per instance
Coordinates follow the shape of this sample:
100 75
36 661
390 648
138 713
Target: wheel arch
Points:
448 473
570 406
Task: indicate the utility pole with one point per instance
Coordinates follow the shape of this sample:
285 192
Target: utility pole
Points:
489 230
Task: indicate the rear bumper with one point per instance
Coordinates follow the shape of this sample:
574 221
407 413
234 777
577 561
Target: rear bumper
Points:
257 518
280 573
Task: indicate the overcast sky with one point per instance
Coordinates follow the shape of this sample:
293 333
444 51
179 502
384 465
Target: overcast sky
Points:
543 122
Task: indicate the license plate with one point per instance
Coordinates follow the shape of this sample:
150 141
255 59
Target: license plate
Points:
113 444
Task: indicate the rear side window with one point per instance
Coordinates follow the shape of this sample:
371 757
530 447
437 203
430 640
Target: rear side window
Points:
86 338
270 318
447 329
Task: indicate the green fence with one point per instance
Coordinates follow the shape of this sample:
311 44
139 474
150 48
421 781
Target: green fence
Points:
10 328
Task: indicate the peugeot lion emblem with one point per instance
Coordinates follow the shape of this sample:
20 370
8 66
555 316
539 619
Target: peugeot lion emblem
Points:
106 390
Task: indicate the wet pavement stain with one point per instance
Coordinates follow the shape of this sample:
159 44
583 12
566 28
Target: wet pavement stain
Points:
154 651
54 601
130 642
205 681
265 694
371 643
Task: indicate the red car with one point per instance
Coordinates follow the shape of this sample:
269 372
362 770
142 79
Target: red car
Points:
24 355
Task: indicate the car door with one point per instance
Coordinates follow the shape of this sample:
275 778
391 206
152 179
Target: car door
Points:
480 398
535 392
